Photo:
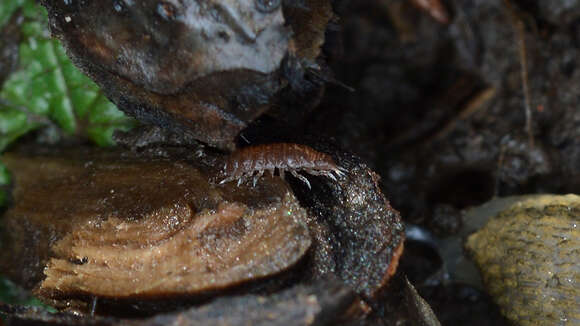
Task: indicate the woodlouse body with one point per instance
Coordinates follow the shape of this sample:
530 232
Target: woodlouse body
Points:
253 161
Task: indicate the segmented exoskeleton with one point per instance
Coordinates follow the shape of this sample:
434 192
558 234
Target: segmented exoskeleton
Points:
253 161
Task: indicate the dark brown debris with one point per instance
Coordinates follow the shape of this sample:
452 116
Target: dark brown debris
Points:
116 224
357 234
437 113
321 303
151 230
419 308
203 69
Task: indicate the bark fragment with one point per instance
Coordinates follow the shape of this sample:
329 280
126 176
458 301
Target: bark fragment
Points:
123 225
204 69
317 304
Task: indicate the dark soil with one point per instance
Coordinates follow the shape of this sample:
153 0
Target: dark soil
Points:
445 114
421 117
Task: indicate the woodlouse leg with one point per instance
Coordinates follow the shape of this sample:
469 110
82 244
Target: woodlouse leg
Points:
330 175
246 177
257 176
326 173
281 172
242 178
227 179
301 177
340 171
314 172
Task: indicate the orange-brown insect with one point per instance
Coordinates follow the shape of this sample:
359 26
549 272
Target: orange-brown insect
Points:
251 162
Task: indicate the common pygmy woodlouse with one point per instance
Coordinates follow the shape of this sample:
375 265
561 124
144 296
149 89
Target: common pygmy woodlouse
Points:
251 162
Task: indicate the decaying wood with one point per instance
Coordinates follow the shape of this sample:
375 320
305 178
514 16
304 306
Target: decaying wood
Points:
202 69
115 224
357 234
321 303
208 251
418 307
144 232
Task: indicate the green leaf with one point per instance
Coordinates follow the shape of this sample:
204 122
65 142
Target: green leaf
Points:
48 87
4 175
13 294
103 135
4 180
7 7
